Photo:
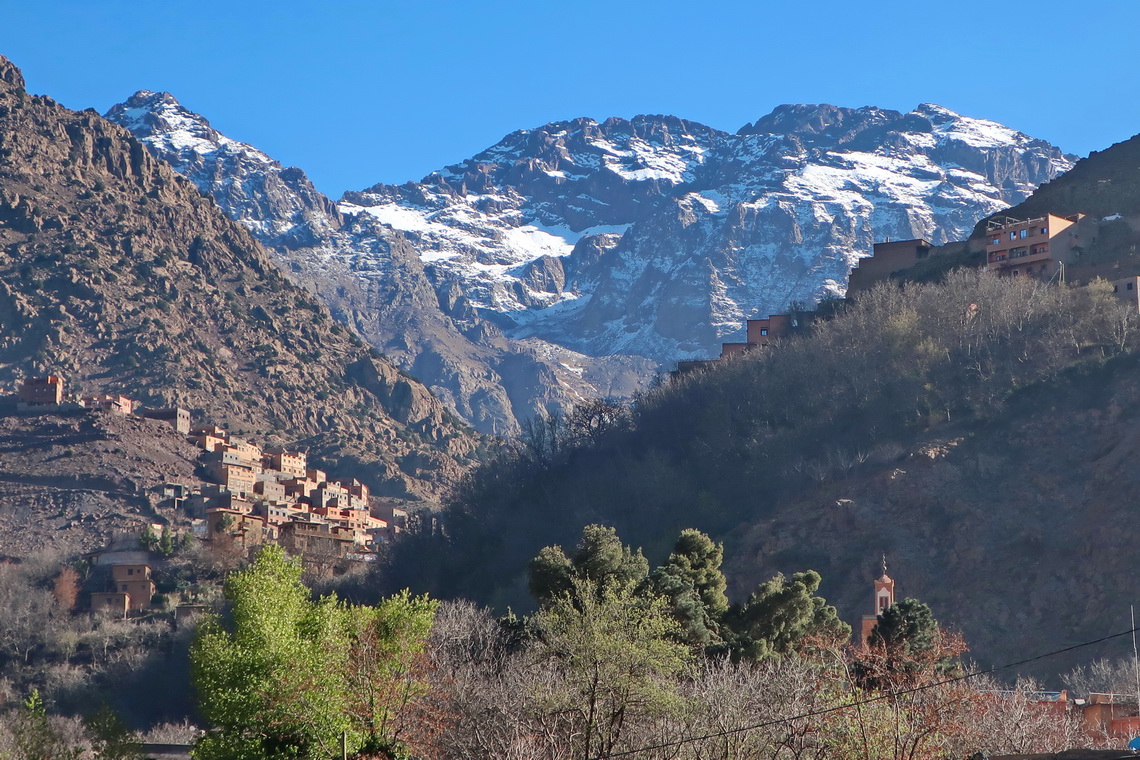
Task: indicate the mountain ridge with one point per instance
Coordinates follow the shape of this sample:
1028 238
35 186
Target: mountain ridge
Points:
118 274
580 258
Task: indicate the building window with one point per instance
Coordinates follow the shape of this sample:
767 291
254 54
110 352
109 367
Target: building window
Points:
1044 230
1013 235
1129 286
124 587
130 571
1024 233
765 331
997 241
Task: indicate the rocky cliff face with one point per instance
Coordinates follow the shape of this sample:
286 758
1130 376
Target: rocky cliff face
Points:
118 274
577 258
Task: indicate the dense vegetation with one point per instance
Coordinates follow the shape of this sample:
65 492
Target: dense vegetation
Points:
618 661
733 447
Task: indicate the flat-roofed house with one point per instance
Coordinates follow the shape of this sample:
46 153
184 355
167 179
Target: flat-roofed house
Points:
1038 247
41 391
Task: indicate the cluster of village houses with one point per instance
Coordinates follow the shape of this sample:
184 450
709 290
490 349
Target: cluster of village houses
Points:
1046 248
253 495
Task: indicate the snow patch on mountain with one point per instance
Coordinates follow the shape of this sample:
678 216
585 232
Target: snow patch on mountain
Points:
581 241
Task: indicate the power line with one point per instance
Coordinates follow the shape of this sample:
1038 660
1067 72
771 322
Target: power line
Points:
869 700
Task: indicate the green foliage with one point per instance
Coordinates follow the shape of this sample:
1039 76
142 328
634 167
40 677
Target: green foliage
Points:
382 677
600 559
267 684
34 735
287 676
166 542
782 616
617 654
692 581
907 626
148 540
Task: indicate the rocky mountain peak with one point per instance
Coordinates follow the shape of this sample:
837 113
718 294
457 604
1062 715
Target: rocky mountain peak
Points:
565 247
117 274
819 121
279 205
11 78
148 114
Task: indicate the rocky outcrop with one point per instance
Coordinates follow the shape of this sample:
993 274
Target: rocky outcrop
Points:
622 245
118 274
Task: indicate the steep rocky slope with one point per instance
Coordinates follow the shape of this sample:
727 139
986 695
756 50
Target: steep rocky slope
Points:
68 482
373 279
118 274
575 259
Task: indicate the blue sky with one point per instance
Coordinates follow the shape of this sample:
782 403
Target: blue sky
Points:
362 92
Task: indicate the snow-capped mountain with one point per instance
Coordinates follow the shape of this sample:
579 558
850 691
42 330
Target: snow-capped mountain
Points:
576 258
279 205
658 236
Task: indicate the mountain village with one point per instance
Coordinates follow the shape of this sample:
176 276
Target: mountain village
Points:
249 496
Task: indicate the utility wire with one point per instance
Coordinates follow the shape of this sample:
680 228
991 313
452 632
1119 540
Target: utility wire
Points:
869 700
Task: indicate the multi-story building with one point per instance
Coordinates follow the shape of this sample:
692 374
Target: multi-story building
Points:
135 581
759 333
317 538
1038 247
41 391
292 463
209 437
236 478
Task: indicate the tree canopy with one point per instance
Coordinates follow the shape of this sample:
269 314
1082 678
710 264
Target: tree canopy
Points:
286 676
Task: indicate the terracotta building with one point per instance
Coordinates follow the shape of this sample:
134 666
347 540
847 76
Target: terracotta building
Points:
41 391
1037 247
884 598
759 333
291 463
107 402
316 538
114 602
887 258
134 581
209 437
233 477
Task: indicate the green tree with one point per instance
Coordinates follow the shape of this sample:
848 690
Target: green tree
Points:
692 581
287 677
384 674
148 540
166 542
907 626
782 616
270 682
618 659
600 558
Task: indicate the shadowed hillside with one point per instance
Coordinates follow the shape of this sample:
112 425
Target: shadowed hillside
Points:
978 432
